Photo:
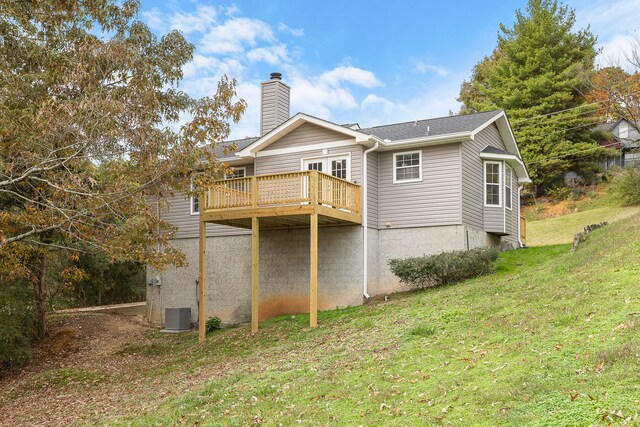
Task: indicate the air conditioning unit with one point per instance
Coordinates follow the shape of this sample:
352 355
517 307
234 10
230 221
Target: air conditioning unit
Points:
177 319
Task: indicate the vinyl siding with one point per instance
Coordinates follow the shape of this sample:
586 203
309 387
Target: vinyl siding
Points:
179 215
372 189
293 161
307 134
511 216
473 211
431 202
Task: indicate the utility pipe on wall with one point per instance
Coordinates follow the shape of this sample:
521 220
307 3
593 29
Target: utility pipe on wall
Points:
365 221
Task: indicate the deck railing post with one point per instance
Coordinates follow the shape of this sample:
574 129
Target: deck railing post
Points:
313 187
254 192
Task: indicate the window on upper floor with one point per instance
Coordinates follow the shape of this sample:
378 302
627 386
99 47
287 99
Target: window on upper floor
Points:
623 130
508 177
492 183
407 166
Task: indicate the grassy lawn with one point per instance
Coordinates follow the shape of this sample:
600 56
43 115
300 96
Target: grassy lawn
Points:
561 229
550 339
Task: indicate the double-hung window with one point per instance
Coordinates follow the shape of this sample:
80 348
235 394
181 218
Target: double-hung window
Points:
508 176
407 166
237 172
492 183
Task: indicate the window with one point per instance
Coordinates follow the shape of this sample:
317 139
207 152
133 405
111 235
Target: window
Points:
492 183
407 167
239 172
337 166
623 130
508 176
194 203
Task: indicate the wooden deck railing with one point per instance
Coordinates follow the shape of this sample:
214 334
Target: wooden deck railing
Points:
283 189
523 230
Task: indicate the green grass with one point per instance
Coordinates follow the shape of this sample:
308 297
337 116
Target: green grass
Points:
550 339
561 229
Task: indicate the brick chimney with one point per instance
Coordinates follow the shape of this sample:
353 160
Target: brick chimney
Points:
274 103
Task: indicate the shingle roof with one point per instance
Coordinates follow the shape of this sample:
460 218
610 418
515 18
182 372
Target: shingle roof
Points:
494 150
431 127
240 144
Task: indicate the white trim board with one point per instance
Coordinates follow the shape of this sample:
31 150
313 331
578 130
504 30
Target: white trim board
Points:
304 148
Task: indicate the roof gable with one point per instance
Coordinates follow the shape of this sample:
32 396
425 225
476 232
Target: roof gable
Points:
292 124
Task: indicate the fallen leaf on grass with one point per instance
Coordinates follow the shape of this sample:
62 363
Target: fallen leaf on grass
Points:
573 395
600 367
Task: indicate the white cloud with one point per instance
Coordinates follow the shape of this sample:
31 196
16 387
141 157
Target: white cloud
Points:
349 74
234 35
197 22
373 101
423 68
615 22
297 32
272 55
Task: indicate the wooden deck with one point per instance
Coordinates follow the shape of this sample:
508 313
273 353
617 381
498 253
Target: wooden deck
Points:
306 199
282 201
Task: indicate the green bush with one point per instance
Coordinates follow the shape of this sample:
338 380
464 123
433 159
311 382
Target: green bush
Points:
444 268
558 193
212 324
626 185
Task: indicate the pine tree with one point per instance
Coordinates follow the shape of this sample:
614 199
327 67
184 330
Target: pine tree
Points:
536 71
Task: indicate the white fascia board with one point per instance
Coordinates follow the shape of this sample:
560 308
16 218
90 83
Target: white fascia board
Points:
292 124
426 141
513 161
303 148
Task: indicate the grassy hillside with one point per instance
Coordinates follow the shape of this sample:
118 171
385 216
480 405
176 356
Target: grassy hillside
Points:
550 339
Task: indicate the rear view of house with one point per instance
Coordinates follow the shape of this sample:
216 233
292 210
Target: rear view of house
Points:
314 211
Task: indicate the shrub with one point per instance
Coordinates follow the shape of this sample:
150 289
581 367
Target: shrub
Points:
444 268
212 324
558 193
626 185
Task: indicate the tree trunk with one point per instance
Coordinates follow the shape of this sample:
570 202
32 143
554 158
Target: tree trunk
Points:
41 296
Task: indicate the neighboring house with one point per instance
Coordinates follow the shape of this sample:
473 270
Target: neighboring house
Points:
625 138
315 210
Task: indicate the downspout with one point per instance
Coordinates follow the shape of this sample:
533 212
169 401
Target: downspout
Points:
518 219
365 223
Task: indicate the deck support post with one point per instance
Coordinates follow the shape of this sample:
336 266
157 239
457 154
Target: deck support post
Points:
255 264
313 272
202 285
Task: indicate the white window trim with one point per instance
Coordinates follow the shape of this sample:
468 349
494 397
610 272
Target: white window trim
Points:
236 169
326 158
484 183
508 169
192 212
402 181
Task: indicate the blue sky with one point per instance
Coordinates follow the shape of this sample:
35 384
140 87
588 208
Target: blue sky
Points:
371 62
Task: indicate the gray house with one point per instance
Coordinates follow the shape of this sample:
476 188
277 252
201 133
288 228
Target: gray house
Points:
625 137
314 210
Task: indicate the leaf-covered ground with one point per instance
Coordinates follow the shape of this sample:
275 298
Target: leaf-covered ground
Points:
550 339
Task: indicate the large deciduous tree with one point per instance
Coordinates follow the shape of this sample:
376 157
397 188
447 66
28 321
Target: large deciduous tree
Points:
536 74
91 143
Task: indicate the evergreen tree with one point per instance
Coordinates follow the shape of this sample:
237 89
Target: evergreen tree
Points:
535 74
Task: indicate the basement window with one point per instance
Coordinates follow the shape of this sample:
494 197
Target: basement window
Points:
407 166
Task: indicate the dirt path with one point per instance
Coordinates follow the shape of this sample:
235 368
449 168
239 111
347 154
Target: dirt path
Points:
68 379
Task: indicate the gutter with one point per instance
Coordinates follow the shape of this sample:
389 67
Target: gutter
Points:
365 222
